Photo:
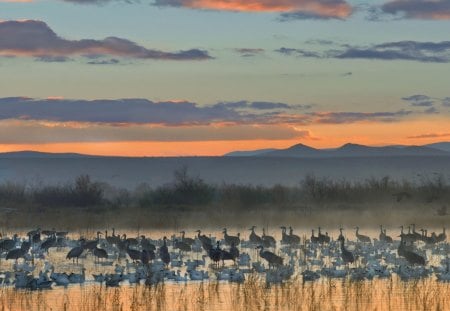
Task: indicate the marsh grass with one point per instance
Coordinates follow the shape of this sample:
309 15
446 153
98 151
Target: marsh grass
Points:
253 294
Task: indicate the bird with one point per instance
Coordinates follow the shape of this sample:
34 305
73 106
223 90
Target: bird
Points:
76 252
229 239
113 239
9 244
442 236
410 256
383 237
346 255
133 253
271 258
18 252
164 253
215 254
50 242
182 246
323 238
362 238
188 241
314 239
268 241
254 238
100 253
147 256
295 239
146 244
203 238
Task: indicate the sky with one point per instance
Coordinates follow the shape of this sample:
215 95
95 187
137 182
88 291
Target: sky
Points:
205 77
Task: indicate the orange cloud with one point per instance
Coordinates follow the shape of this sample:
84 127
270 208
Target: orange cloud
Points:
317 8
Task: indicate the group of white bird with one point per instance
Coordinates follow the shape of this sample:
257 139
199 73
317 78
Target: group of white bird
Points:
223 258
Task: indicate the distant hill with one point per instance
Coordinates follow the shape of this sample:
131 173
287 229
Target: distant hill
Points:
295 151
42 155
445 146
248 153
350 150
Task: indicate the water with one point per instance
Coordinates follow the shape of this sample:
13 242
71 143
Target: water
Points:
254 294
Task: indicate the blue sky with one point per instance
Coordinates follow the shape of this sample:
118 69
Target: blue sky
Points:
350 63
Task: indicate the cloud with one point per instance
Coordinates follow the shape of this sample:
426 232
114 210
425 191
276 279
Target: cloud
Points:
446 102
128 112
249 52
295 9
140 111
418 9
352 117
299 52
430 135
429 52
111 61
299 15
35 39
419 100
36 132
52 59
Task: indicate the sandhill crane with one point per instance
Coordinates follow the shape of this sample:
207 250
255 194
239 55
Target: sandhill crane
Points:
90 245
112 240
203 238
146 244
9 244
164 252
35 235
271 258
295 239
347 256
442 236
100 253
341 236
428 239
130 241
186 240
182 246
234 251
215 254
408 238
226 255
416 235
18 252
50 242
314 239
268 241
362 238
412 257
323 238
76 252
254 238
229 239
289 238
133 253
384 237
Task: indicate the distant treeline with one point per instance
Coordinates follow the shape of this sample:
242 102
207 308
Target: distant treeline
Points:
188 191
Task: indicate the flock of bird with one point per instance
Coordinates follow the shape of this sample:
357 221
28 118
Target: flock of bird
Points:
226 257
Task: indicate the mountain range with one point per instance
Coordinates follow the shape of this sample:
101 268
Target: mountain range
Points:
295 151
348 150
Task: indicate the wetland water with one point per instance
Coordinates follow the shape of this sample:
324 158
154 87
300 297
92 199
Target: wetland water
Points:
352 292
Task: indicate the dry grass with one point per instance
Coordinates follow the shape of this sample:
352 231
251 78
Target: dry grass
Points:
325 294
